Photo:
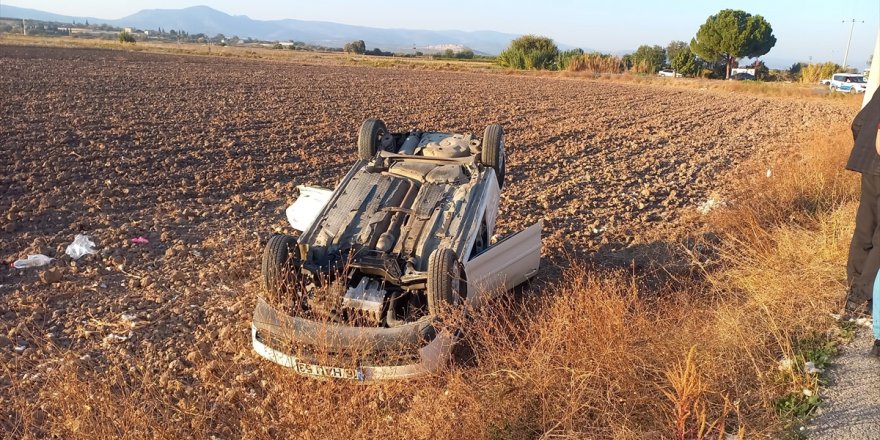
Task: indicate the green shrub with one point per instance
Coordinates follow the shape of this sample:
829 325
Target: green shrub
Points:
125 37
530 52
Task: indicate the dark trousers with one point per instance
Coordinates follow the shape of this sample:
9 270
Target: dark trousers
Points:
864 251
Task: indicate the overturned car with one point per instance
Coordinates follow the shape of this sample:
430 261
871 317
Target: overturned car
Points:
406 237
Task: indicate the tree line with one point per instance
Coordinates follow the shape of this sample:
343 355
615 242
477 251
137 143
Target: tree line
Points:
716 48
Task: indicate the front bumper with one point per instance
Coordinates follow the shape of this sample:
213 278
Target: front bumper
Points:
344 352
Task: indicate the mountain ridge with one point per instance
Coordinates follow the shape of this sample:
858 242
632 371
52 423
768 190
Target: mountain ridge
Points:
209 21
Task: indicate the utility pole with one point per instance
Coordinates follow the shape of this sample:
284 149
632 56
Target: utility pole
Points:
23 27
848 42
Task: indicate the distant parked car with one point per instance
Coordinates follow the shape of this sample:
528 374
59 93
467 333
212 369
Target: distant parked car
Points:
848 83
825 82
669 73
742 76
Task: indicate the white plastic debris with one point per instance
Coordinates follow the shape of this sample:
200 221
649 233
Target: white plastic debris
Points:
305 210
129 317
808 392
810 368
82 245
710 204
36 260
785 364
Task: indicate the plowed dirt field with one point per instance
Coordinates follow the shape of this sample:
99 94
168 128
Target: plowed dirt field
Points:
200 155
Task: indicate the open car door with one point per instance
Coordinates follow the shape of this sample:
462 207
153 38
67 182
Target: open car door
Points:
504 265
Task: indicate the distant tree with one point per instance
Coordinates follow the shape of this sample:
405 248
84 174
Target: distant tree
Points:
358 47
449 53
465 54
761 70
794 72
125 37
649 58
627 61
530 52
681 59
733 34
674 48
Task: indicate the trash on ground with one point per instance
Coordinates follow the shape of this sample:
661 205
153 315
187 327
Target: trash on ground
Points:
303 212
785 364
863 322
128 317
810 368
35 260
140 240
709 205
82 245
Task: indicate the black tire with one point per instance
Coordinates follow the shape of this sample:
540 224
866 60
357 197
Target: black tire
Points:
370 138
445 280
492 154
279 266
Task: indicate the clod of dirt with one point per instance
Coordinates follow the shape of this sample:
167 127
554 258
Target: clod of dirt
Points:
51 276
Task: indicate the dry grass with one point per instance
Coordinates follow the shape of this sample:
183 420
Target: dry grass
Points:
596 64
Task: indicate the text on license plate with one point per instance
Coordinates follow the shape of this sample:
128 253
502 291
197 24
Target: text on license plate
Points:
334 372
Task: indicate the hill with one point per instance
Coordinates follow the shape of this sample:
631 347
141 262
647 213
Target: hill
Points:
209 21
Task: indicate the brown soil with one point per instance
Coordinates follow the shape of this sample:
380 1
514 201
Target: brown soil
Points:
201 156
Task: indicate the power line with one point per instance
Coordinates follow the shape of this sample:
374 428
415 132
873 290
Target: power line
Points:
848 42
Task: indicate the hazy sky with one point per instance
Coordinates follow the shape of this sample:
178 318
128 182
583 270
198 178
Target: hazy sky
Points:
803 28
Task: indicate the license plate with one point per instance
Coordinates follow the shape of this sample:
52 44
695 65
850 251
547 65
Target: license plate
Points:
333 372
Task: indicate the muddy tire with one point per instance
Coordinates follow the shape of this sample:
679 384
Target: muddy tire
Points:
370 138
493 151
279 267
445 280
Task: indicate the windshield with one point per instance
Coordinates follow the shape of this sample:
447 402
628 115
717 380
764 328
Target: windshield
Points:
851 79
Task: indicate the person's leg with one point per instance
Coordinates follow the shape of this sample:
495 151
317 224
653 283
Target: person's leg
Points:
875 349
864 255
876 312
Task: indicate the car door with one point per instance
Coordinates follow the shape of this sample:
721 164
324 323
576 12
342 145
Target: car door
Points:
504 265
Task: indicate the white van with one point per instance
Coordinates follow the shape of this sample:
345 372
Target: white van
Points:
848 82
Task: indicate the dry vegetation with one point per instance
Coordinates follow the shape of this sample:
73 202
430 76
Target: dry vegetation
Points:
685 347
596 355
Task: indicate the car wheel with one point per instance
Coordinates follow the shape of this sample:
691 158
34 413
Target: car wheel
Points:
445 280
370 138
492 154
280 262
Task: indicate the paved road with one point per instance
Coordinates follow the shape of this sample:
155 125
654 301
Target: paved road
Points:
852 400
